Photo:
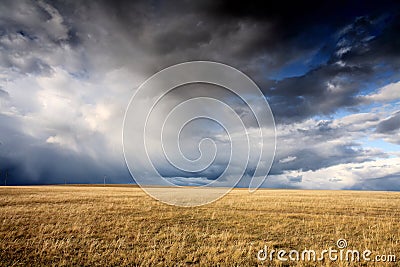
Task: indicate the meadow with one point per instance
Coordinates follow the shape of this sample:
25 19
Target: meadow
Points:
121 226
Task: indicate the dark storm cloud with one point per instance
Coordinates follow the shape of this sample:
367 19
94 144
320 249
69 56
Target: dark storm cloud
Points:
182 30
350 44
353 44
268 35
320 91
362 56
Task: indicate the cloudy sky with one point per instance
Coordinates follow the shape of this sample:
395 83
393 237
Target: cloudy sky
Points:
329 70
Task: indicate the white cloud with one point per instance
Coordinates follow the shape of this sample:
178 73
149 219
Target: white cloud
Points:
389 92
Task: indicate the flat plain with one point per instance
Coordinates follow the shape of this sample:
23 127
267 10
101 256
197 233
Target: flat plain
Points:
121 226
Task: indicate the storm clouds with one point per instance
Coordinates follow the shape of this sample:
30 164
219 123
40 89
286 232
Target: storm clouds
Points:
330 72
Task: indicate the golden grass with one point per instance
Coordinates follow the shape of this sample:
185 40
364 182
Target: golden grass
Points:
109 226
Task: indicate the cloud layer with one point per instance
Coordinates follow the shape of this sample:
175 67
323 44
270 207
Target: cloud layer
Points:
330 74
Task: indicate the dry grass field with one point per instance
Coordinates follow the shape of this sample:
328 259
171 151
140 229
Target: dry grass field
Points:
114 226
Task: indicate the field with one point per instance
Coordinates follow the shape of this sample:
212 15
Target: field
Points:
114 226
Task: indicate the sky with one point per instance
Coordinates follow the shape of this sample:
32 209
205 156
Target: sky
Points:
328 69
